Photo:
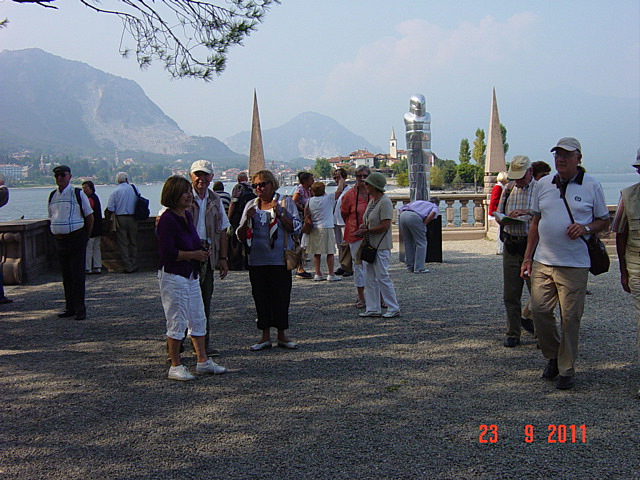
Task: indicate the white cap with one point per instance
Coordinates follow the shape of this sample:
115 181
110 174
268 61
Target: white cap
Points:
569 144
201 166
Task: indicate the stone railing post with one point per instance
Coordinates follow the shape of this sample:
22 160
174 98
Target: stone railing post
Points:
464 213
450 212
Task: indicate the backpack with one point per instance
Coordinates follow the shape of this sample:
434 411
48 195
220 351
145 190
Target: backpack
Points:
246 195
142 206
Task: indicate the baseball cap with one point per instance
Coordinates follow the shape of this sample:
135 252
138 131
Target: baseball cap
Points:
637 164
519 166
61 169
201 166
569 144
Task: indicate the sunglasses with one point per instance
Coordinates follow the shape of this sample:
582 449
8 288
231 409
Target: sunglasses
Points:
362 176
63 174
259 185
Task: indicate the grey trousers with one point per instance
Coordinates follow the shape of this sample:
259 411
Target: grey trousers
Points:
414 235
127 238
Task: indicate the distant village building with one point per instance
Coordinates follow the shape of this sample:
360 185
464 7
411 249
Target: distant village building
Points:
14 172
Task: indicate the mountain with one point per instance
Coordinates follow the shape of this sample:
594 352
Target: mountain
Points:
309 135
50 102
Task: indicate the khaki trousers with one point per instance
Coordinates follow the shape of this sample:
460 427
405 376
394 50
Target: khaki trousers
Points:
551 286
127 239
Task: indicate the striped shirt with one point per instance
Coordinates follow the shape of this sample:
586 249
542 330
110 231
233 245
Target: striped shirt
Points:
518 199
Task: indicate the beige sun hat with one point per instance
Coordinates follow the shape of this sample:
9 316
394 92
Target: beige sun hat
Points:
519 166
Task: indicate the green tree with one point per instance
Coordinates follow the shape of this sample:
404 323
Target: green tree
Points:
479 148
466 172
465 153
449 169
402 179
322 168
190 37
437 177
400 166
503 132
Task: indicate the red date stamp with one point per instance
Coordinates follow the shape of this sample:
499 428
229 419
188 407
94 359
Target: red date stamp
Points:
555 434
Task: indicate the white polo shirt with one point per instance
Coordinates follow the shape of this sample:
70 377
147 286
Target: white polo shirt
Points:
586 201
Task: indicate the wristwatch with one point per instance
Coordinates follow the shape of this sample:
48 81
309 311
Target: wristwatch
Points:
586 227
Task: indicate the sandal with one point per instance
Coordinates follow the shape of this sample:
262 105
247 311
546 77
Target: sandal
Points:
360 304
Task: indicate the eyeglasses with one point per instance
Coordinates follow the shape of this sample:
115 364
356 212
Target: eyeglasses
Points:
259 185
362 175
200 173
60 174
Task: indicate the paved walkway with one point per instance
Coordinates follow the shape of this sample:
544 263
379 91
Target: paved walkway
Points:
362 398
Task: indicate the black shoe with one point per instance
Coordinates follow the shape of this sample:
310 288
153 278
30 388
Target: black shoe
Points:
565 383
66 314
339 271
304 275
527 324
81 316
551 371
5 300
347 274
511 342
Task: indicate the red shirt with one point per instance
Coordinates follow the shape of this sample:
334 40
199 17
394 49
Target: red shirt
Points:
496 193
352 210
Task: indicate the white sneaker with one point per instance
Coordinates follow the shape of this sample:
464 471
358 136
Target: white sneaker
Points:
318 278
210 367
333 278
180 373
391 314
424 270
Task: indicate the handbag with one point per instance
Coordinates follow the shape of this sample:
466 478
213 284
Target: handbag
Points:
368 252
292 256
345 259
307 226
598 255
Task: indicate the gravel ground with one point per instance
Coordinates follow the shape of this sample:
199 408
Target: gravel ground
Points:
362 398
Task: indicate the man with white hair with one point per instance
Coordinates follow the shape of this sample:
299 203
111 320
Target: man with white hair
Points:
565 207
515 202
122 204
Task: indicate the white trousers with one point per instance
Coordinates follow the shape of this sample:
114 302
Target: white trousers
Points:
379 283
182 303
358 270
94 256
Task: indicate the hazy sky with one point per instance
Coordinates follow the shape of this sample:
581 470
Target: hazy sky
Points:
359 61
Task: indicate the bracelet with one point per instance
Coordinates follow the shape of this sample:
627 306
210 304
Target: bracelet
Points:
527 260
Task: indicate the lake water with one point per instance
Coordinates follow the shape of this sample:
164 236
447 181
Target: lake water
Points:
31 203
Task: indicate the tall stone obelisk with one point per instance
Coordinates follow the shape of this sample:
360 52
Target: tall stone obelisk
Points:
256 152
495 162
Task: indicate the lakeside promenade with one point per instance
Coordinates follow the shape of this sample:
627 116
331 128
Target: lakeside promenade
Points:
366 398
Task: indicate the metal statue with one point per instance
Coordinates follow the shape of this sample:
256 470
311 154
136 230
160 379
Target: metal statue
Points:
418 126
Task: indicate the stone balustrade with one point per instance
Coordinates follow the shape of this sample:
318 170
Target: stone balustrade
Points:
27 250
455 209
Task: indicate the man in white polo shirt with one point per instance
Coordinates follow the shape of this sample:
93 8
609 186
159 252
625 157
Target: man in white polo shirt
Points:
71 218
560 266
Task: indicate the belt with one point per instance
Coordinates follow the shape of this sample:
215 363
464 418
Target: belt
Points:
513 237
66 235
125 215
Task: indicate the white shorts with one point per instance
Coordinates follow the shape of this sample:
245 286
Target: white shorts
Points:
182 303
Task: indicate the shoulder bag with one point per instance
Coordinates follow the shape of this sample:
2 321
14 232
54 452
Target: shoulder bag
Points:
597 251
